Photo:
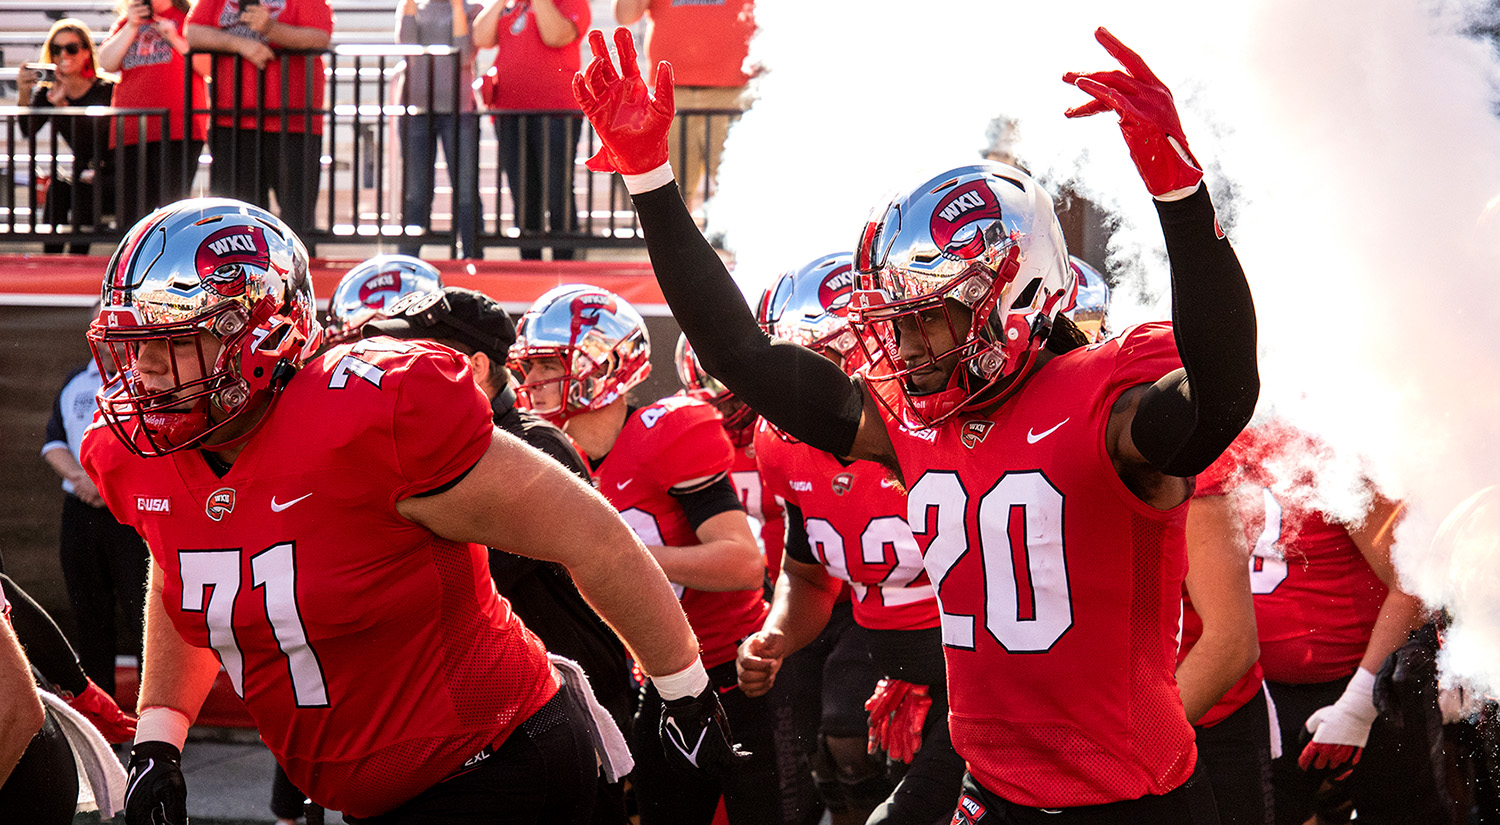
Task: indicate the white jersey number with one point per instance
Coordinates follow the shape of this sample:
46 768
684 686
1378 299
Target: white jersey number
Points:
273 571
1267 562
886 540
1027 600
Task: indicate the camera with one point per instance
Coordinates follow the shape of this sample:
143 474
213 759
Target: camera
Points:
48 71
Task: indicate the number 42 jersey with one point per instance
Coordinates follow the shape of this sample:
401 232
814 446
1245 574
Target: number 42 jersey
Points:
374 656
1059 589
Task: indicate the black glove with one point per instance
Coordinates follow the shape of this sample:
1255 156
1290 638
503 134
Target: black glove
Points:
156 793
695 734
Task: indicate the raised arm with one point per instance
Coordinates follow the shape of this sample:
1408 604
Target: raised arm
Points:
1186 419
798 390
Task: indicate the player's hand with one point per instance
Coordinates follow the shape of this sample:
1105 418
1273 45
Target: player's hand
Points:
1340 730
155 793
632 123
898 710
759 661
695 734
1148 118
100 709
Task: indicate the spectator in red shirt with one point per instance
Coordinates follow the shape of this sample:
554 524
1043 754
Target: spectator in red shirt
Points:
706 42
280 147
531 81
146 47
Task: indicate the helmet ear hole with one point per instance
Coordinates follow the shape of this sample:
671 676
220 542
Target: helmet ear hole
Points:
1028 294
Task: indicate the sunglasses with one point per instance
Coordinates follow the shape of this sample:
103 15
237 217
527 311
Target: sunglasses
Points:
68 49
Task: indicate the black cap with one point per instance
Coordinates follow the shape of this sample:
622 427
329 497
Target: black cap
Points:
455 314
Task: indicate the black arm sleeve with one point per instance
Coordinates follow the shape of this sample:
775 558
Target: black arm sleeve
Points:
703 503
45 644
1189 416
796 389
798 545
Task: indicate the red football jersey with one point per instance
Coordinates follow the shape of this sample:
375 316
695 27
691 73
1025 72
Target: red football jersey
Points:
855 517
759 503
1060 590
375 657
675 440
1316 597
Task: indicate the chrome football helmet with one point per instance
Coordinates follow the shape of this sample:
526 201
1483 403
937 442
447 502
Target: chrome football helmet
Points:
979 246
809 306
205 265
1090 308
599 339
697 383
372 286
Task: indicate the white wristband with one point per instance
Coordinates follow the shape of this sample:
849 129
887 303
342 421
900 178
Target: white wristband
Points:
162 724
1360 692
689 681
646 181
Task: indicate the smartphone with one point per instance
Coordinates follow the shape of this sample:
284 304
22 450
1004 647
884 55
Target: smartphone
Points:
48 71
147 5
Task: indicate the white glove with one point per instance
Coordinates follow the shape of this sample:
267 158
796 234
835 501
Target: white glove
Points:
1341 729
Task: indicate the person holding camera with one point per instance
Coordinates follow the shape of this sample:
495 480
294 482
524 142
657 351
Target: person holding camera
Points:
69 76
147 48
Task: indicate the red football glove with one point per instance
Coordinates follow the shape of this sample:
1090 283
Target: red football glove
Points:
897 712
99 708
1147 117
1340 730
631 122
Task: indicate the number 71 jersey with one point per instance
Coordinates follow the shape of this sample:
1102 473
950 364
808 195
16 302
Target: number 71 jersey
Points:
374 656
1059 589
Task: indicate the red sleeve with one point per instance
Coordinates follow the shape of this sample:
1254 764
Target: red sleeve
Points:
769 458
1146 353
578 11
206 13
441 421
690 443
314 14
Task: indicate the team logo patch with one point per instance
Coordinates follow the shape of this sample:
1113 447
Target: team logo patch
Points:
154 504
975 432
586 309
837 287
379 288
223 256
220 503
955 223
842 482
969 810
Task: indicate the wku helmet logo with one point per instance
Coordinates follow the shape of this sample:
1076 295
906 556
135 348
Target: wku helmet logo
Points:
220 503
955 222
221 258
379 288
834 292
975 432
587 309
842 483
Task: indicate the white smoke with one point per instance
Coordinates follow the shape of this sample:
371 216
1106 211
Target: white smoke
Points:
1351 145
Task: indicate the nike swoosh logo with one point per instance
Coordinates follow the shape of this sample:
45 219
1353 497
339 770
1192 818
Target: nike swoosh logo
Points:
674 733
1032 436
276 508
620 485
727 689
150 763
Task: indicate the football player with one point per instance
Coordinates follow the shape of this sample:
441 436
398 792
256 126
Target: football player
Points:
372 286
1329 611
317 534
1046 479
847 525
665 467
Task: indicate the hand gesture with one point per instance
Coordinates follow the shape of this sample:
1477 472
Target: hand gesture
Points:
137 13
1148 119
631 122
695 734
155 793
759 661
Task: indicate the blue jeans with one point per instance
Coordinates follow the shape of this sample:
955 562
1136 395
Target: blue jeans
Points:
536 152
459 136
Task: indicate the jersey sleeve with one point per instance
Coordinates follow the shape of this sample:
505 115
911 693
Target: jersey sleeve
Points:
1223 475
690 444
579 13
1146 353
206 13
769 458
441 421
314 14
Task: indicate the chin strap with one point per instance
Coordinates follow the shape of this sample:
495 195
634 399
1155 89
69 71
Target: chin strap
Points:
281 375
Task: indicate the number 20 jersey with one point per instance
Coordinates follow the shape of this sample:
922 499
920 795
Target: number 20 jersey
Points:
1060 590
374 656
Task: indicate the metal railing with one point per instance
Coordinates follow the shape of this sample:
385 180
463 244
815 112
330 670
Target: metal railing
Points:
360 181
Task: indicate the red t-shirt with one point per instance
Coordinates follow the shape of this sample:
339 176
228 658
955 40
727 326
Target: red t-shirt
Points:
1060 589
529 74
705 40
759 504
1316 598
855 516
225 14
675 440
151 78
374 656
